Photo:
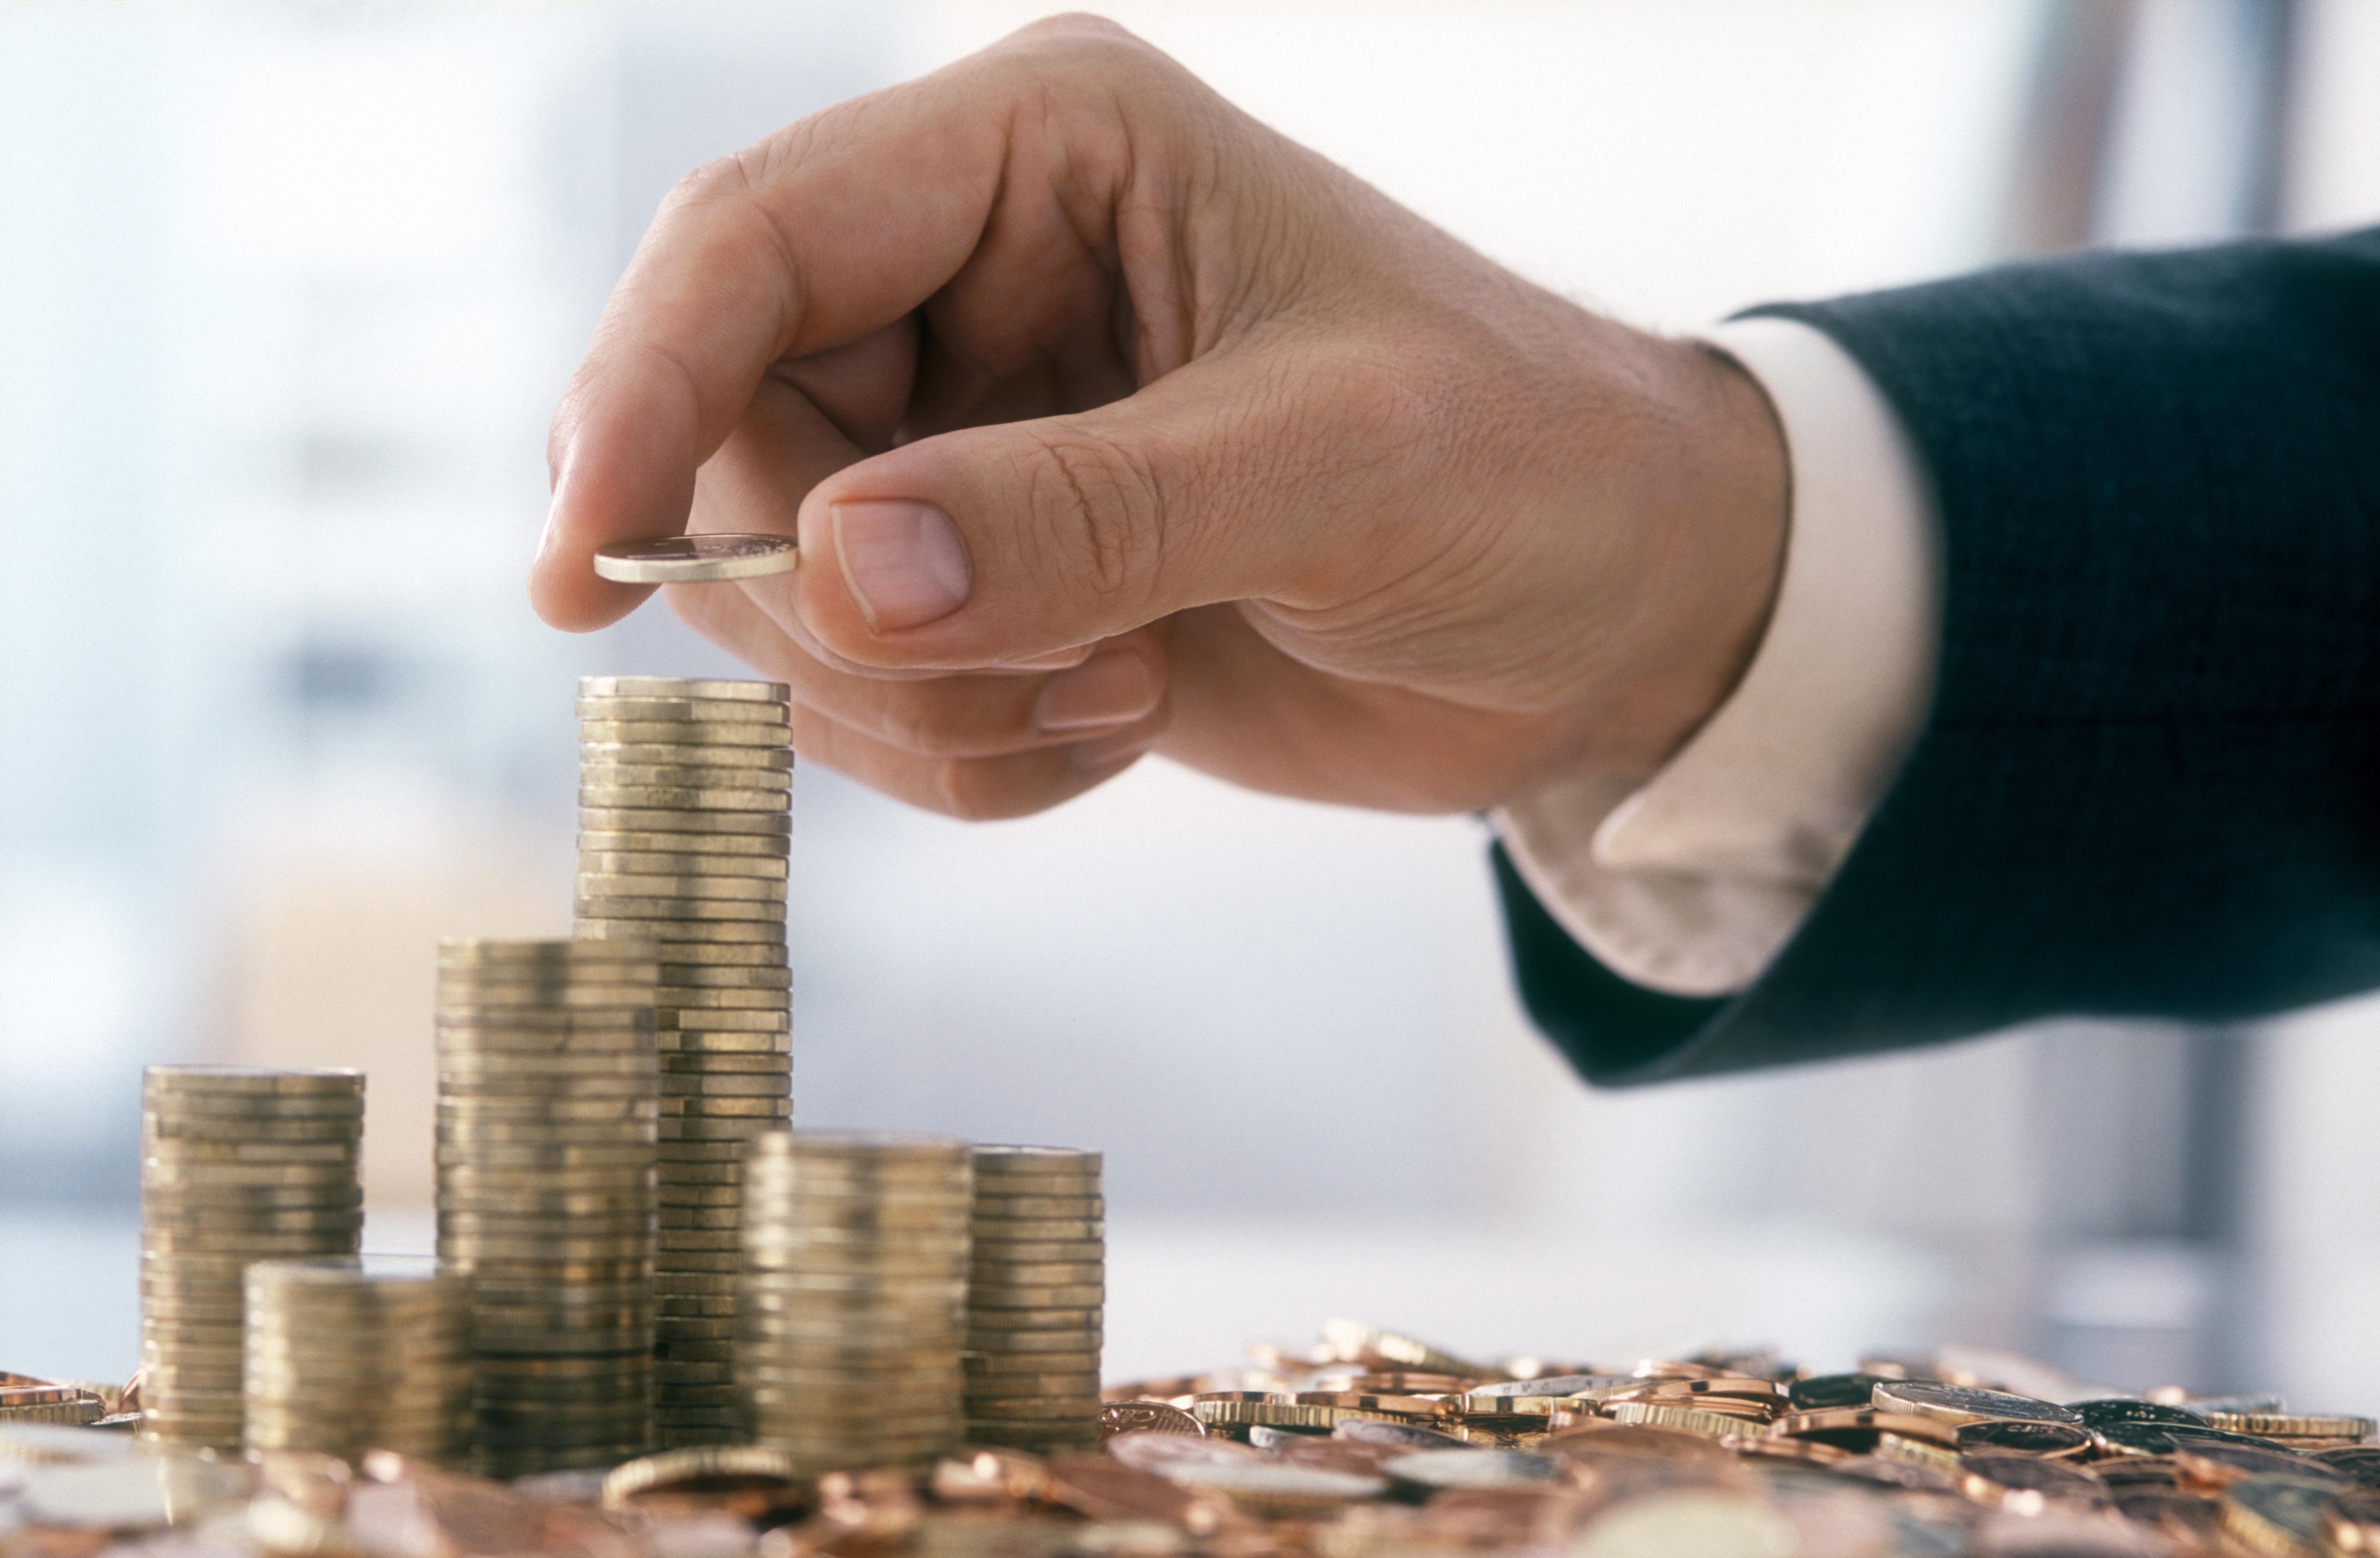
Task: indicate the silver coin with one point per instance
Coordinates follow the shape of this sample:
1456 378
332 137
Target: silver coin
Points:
697 559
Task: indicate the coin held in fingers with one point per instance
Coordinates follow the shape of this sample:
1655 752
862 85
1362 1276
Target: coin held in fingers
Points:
696 560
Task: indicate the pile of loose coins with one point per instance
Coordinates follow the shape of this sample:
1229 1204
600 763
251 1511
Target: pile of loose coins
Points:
238 1165
683 829
547 1106
854 1296
356 1355
1036 1286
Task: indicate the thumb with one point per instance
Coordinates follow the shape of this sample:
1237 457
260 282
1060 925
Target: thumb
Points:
991 545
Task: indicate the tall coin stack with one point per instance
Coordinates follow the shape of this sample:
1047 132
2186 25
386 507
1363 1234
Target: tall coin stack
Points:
853 1295
683 836
356 1355
547 1103
1035 1295
238 1165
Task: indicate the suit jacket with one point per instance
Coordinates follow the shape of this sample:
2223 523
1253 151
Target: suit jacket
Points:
2149 783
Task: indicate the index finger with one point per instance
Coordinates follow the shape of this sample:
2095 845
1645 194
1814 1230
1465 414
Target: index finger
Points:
832 228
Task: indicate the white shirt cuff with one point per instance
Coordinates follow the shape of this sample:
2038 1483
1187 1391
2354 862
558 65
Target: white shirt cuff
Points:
1693 883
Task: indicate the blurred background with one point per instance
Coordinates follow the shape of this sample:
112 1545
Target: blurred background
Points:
287 292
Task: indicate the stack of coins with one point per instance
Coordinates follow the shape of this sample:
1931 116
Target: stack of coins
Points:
236 1164
547 1103
684 787
1035 1293
854 1296
350 1355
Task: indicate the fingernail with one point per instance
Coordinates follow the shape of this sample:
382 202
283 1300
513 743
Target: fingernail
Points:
904 562
1097 757
1106 690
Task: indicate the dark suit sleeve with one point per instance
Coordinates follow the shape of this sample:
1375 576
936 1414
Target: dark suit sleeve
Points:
2149 783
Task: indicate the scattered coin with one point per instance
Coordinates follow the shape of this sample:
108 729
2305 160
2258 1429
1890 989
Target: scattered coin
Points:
1967 1404
2278 1514
1474 1469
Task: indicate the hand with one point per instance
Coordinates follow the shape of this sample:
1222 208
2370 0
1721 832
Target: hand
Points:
1110 421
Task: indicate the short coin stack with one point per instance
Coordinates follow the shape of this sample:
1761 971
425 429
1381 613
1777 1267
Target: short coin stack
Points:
684 787
547 1103
356 1355
238 1165
1035 1293
854 1296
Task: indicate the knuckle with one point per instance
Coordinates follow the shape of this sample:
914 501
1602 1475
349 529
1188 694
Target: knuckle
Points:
972 791
1099 518
1089 62
915 718
721 178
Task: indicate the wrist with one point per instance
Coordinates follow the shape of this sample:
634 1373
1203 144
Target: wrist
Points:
1701 495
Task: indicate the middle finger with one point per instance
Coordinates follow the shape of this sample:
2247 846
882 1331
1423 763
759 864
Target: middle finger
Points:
960 715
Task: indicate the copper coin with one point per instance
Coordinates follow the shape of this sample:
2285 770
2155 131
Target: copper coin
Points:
1105 1489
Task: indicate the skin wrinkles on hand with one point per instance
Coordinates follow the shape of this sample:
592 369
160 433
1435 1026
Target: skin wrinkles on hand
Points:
1382 523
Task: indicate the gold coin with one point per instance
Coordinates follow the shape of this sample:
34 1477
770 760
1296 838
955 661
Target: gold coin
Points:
1001 1232
324 1186
253 1080
681 1021
983 1294
626 794
1005 1341
725 852
696 1047
683 687
695 1465
1690 1419
1078 1384
261 1107
683 735
683 934
686 911
620 763
160 1174
1000 1254
774 826
671 864
689 981
716 1063
1002 1157
1037 1274
600 1025
683 708
1277 1413
241 1136
1006 1207
605 885
2293 1425
470 952
549 1092
604 773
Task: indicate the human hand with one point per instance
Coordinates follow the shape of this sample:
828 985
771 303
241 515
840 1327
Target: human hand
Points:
1110 421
